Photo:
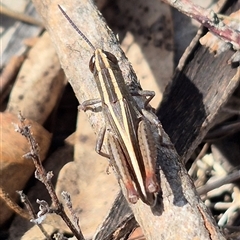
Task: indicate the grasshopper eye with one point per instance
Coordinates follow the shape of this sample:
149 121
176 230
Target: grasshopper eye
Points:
111 57
92 63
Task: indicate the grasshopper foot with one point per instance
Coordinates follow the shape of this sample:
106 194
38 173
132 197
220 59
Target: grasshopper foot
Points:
132 194
151 184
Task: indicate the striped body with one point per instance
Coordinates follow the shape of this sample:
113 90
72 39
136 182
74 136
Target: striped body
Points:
122 121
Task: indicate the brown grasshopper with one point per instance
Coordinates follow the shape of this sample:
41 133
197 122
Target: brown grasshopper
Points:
127 132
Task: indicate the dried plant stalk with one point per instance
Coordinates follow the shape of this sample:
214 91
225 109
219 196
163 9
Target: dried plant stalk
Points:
45 178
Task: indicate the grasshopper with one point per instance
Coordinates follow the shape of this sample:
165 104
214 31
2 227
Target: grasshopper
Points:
127 132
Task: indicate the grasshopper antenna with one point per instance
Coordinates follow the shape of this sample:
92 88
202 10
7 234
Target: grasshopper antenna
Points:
76 28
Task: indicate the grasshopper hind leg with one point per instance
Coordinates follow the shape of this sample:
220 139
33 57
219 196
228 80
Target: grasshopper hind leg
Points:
115 155
149 154
119 163
153 119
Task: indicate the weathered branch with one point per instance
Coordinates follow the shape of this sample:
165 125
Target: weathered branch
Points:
209 19
180 211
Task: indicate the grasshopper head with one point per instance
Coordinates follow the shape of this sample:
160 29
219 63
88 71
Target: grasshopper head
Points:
101 60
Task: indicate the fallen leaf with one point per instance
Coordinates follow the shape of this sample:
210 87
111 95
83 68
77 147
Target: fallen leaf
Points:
39 84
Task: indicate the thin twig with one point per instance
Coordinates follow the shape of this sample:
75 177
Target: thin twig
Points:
45 177
200 155
24 199
67 198
209 19
27 203
218 183
19 16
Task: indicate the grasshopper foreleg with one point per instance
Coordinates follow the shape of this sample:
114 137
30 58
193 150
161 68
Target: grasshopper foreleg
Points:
100 141
89 104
